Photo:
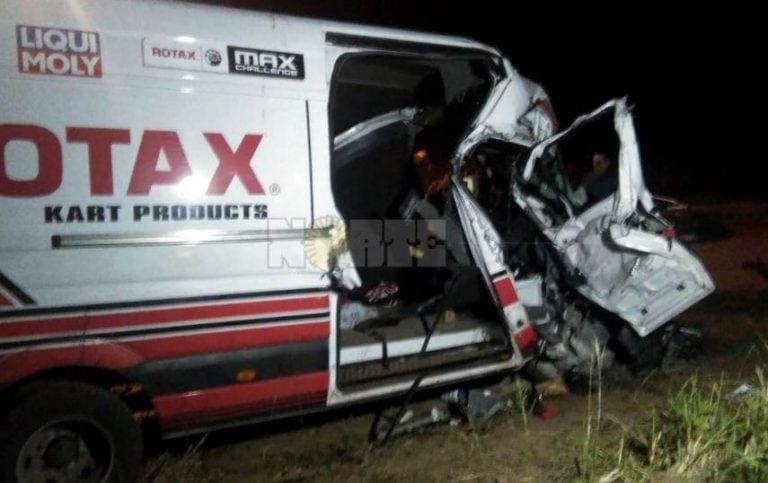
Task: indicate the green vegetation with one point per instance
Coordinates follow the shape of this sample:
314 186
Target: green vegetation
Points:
703 432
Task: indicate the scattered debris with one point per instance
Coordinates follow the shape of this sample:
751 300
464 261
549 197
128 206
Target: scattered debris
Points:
553 387
479 405
475 406
482 405
741 392
548 411
352 313
410 422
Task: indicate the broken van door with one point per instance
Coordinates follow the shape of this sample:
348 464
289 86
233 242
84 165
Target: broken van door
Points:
486 247
604 230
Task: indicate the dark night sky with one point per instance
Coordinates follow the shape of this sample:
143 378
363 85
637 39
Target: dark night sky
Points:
690 73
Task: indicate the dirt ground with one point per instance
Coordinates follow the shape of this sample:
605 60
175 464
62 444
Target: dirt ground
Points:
734 323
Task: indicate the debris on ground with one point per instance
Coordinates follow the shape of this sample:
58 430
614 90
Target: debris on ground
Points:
413 420
548 411
478 405
743 391
553 388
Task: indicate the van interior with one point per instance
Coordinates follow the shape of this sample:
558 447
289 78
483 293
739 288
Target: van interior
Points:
423 304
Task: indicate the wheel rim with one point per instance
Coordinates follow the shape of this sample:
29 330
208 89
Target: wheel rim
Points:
65 451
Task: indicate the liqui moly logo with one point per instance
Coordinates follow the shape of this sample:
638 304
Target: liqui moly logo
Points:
55 51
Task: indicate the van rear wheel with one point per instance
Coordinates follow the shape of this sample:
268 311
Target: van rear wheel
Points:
69 432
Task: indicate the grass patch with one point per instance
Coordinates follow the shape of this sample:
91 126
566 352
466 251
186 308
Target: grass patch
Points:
703 432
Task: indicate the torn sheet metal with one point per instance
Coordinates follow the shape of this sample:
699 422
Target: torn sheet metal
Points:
518 110
642 276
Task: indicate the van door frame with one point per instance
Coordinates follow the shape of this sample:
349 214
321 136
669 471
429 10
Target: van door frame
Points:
338 45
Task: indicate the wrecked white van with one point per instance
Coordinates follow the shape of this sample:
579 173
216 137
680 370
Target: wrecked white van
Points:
213 217
608 266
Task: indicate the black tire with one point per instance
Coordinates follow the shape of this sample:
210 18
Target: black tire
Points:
643 354
69 431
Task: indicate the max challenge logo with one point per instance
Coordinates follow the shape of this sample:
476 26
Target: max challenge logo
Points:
54 51
265 63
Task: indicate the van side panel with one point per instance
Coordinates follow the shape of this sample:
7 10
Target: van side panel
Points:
186 352
185 164
154 189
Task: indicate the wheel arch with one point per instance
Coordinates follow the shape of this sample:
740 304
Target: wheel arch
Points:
132 393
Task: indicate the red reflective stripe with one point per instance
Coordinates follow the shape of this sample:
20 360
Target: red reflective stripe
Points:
526 338
505 290
175 346
241 309
119 354
18 365
241 399
546 106
72 323
114 319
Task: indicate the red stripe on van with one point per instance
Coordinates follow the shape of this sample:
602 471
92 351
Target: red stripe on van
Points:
72 323
18 365
181 345
137 318
183 314
117 354
526 339
241 399
505 290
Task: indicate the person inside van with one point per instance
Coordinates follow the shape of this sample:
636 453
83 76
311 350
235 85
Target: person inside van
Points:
431 160
602 181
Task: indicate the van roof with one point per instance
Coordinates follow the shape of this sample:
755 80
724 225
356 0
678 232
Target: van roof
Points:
125 26
330 26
